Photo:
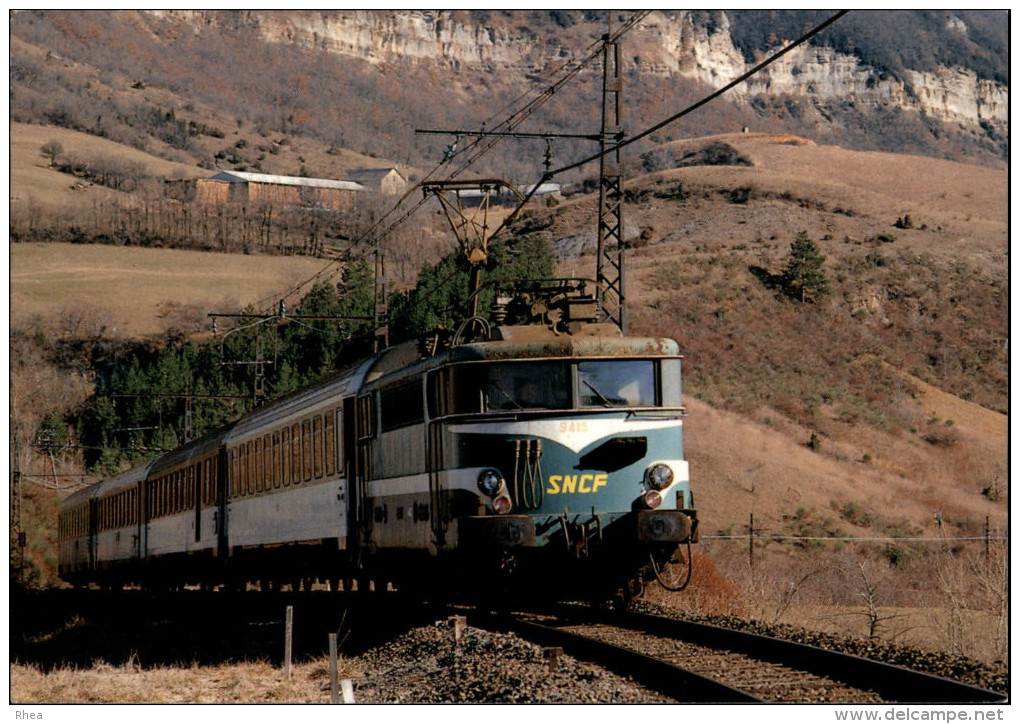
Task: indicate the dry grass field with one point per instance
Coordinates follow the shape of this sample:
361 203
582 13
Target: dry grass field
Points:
139 292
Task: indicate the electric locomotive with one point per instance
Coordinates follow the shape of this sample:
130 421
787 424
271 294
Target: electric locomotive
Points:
539 459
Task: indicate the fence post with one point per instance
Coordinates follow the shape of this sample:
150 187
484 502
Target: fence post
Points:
988 533
288 642
333 684
750 541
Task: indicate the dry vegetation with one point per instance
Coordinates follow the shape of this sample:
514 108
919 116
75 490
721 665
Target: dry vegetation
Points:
238 683
136 292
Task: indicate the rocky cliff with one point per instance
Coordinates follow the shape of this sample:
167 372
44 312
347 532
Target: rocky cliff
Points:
670 44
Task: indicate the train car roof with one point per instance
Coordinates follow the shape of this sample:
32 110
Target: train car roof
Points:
325 391
194 449
120 481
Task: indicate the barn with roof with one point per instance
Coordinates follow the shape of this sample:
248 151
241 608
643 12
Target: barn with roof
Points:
387 181
260 188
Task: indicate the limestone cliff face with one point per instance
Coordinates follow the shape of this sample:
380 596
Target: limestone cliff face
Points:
666 43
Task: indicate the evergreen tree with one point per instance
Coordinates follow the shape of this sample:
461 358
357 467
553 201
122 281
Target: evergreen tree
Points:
803 277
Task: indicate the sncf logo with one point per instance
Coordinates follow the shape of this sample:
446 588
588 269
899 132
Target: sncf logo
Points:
586 483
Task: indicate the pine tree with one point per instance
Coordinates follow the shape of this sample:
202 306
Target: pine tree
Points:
803 277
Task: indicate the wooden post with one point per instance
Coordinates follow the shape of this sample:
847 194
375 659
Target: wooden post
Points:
988 533
750 541
458 623
347 687
288 642
552 656
333 684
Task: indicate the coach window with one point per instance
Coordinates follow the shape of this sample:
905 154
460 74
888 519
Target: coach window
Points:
249 467
267 460
266 463
295 453
259 470
317 446
306 449
330 433
285 454
276 460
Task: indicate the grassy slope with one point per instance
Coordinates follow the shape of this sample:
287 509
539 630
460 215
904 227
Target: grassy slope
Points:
33 181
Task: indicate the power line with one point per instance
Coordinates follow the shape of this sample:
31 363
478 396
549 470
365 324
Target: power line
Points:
756 69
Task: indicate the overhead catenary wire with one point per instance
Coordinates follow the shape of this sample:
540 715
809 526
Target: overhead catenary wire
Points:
712 96
675 117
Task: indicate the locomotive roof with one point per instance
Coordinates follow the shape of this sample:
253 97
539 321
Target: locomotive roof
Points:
530 342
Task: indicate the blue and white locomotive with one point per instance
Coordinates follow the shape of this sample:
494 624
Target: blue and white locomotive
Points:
539 460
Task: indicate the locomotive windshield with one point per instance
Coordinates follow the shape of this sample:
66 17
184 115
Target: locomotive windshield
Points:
543 385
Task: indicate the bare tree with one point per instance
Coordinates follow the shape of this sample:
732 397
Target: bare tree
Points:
52 150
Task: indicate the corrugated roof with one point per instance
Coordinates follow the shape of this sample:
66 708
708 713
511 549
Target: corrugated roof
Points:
268 178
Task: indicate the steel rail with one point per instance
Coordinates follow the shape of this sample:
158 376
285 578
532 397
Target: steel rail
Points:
666 678
894 683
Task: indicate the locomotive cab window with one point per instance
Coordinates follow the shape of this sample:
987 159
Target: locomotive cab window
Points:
616 383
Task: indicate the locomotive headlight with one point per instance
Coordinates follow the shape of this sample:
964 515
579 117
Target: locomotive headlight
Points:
502 505
490 482
652 499
659 476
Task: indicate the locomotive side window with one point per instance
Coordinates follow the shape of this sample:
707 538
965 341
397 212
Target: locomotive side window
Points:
616 383
366 417
401 405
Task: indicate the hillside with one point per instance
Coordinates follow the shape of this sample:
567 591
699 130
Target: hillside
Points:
929 82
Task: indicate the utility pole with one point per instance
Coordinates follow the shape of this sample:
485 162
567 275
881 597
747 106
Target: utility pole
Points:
609 254
610 297
382 310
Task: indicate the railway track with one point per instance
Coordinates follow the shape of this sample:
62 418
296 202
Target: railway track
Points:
692 662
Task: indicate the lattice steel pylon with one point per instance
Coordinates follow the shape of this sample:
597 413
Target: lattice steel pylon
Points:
609 265
382 309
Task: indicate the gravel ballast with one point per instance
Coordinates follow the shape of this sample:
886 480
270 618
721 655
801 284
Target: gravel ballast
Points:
426 666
